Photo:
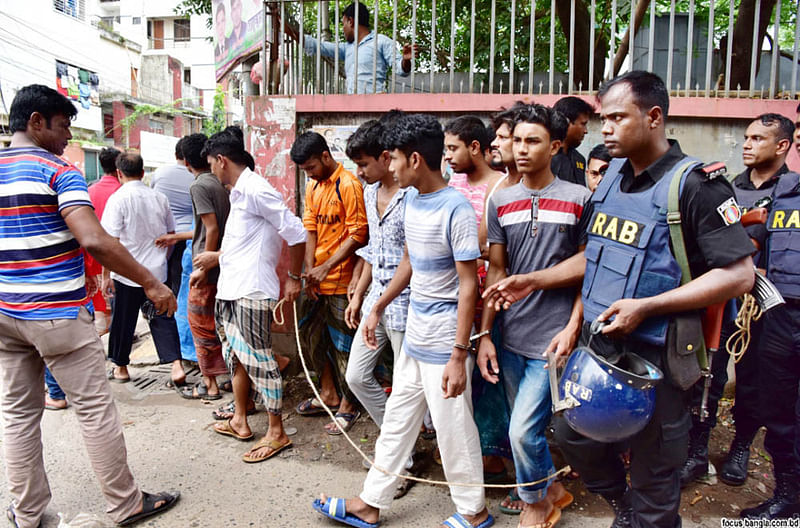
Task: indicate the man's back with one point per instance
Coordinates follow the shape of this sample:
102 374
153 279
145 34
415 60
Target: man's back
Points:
42 276
137 215
173 181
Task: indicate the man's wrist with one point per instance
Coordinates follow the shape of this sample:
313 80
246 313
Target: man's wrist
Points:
293 276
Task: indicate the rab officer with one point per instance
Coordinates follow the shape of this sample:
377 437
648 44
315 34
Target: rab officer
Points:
779 354
633 281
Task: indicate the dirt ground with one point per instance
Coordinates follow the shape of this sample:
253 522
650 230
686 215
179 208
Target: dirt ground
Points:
701 501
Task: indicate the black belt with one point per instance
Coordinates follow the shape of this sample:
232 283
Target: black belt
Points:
794 303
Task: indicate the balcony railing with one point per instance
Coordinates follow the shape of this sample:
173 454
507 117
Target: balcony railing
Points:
722 48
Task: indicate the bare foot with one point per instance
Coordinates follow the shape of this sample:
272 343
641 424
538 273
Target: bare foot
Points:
359 508
557 494
537 515
267 447
178 374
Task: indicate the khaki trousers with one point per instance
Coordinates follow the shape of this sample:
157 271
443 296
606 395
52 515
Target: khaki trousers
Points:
74 354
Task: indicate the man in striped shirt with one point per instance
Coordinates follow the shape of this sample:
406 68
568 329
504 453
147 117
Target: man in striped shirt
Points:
46 318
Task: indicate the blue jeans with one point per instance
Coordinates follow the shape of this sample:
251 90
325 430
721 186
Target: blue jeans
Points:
530 415
53 389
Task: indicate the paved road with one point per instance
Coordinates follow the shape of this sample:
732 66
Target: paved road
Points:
170 446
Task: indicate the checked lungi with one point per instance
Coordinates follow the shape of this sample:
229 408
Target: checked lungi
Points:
327 337
243 326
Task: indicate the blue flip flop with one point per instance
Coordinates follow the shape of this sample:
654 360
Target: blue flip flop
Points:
459 521
334 509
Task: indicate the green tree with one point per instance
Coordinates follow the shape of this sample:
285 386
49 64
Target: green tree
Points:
218 120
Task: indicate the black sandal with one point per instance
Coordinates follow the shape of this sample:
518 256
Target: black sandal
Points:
149 507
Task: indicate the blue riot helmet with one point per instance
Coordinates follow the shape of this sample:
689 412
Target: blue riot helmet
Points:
608 399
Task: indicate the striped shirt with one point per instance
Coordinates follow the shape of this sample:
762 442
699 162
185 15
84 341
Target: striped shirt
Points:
440 231
41 266
539 228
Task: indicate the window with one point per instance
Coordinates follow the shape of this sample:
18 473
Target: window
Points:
73 8
156 127
187 75
182 30
136 21
90 165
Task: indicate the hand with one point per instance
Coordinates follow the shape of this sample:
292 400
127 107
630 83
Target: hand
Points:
107 287
162 298
562 345
628 315
317 275
165 241
487 360
198 278
92 284
206 260
369 329
291 289
311 292
506 292
410 52
351 288
454 378
352 314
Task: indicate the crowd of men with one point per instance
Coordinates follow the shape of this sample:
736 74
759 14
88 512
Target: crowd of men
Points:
458 258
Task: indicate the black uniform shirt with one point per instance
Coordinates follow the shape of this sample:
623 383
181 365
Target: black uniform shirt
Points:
711 242
569 166
743 181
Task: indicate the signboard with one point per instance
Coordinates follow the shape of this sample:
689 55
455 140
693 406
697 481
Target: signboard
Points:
157 149
238 31
336 137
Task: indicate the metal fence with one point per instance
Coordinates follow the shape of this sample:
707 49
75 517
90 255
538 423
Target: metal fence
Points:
722 48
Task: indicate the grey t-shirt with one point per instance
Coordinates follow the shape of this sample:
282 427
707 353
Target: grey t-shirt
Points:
208 196
539 229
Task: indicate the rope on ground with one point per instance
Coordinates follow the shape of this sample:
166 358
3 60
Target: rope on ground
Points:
563 471
738 342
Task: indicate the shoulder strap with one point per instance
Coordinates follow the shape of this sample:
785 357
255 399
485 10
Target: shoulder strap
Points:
674 217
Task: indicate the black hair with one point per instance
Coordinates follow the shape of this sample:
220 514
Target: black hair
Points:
417 133
366 140
600 152
179 149
784 125
236 131
469 128
555 122
308 145
130 164
108 159
490 134
573 107
192 149
228 145
38 98
363 13
507 116
798 108
647 88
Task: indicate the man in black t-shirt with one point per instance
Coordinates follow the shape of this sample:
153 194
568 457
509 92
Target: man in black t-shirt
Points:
568 164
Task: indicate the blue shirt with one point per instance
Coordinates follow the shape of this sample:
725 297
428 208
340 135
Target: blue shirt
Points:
41 265
384 252
173 181
388 55
441 229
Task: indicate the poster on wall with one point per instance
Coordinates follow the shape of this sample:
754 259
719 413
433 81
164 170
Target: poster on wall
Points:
238 31
336 137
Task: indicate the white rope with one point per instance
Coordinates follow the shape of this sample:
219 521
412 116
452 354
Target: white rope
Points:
564 470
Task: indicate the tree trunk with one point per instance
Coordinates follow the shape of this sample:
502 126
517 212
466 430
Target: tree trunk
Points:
583 23
742 50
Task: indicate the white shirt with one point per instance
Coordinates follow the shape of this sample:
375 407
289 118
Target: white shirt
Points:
251 247
137 215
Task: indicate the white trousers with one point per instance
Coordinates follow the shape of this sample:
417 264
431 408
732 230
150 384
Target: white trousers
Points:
417 386
361 364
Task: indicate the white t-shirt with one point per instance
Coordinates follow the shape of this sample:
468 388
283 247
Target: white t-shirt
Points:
252 244
137 215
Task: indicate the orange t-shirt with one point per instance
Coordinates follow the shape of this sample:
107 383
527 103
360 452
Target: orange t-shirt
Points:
335 211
